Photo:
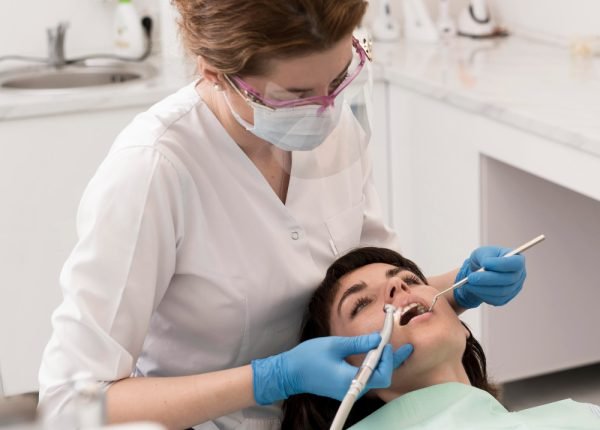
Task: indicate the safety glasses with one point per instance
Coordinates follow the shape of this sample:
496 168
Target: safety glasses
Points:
245 90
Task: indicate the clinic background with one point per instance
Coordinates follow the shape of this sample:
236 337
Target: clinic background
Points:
23 26
91 20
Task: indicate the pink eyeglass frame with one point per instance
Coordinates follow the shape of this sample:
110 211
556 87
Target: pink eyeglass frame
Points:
253 96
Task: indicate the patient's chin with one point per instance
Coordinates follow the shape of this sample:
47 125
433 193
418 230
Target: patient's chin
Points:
432 349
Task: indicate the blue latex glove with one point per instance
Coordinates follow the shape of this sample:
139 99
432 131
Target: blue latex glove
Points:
318 366
501 282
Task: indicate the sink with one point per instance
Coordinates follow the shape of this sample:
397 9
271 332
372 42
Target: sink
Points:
74 77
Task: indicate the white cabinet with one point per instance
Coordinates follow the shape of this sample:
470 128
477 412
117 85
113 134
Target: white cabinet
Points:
45 165
460 180
380 148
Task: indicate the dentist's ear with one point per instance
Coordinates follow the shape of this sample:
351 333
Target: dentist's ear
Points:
210 73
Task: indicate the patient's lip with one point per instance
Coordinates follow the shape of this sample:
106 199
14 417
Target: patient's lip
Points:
408 299
405 306
417 319
420 318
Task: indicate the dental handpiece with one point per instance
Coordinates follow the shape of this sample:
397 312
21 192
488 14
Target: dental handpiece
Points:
372 359
365 371
515 251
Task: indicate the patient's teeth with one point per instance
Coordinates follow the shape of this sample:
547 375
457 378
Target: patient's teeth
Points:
409 307
410 311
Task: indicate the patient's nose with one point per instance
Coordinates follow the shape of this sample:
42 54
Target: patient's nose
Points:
394 287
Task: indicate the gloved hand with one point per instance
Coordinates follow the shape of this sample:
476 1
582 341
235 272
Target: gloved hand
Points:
317 366
500 282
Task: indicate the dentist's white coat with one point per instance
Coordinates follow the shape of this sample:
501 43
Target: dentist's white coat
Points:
187 261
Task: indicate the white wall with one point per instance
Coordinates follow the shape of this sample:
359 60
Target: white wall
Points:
564 19
547 19
23 24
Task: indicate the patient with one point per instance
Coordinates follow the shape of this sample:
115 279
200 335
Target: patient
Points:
443 384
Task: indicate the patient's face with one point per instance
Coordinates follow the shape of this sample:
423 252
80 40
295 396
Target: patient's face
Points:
358 309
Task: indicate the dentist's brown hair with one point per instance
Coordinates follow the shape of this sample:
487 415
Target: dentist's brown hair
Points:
241 36
308 411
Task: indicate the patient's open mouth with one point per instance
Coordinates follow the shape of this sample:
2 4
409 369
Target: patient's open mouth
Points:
410 311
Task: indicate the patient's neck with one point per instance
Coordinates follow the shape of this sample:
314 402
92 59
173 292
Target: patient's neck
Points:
406 382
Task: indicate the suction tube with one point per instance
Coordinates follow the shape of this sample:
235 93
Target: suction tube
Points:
365 371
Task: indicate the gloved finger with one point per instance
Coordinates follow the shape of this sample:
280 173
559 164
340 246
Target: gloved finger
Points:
513 293
491 291
494 294
495 279
401 354
345 346
382 376
345 373
515 263
484 252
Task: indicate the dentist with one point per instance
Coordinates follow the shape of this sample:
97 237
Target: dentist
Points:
207 227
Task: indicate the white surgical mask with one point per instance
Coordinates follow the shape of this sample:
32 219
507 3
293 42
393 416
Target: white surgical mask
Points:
300 128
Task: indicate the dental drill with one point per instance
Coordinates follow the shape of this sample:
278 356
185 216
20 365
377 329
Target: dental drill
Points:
366 369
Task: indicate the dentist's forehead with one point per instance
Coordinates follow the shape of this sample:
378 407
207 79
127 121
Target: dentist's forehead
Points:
323 66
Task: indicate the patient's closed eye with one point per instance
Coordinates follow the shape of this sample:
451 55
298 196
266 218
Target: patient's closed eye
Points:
411 279
360 303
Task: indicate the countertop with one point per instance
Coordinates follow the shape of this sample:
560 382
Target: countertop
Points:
530 85
168 78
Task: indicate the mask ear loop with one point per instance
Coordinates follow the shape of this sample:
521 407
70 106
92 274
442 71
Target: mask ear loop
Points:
241 121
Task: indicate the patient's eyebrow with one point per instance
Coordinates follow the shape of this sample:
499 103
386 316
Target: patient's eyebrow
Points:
356 288
393 272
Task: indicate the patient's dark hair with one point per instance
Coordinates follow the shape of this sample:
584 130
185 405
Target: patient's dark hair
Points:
308 411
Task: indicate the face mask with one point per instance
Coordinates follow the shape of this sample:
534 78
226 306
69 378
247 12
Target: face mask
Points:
300 128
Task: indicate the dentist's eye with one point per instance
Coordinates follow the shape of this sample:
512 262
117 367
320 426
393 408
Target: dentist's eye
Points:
359 305
339 80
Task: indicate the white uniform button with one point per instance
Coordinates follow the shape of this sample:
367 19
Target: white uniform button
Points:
295 235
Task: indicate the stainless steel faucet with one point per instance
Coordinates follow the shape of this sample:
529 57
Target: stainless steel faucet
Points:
56 44
56 48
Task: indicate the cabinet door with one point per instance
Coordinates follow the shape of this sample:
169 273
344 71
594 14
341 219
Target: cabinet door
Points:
435 181
434 175
380 149
45 165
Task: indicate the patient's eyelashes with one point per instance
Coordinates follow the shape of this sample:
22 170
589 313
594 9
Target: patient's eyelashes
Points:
408 278
360 303
411 279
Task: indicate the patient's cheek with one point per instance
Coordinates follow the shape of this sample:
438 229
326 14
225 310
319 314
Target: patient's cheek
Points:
356 360
364 323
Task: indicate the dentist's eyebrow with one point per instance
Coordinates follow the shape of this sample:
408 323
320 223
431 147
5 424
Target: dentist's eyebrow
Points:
305 90
356 288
